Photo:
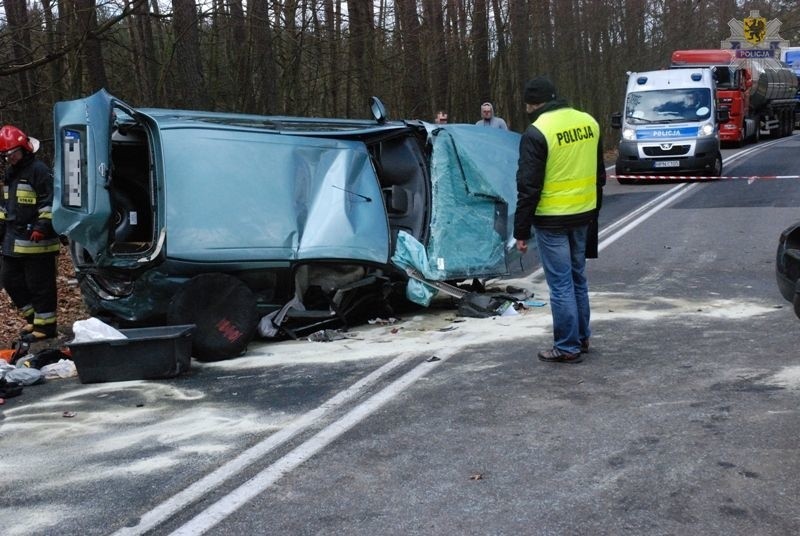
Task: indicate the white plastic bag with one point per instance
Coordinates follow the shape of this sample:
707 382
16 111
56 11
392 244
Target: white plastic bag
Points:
65 368
93 329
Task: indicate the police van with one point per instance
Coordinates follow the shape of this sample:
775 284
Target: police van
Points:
669 126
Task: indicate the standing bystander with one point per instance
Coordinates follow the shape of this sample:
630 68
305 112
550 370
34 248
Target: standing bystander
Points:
560 182
441 117
29 243
488 118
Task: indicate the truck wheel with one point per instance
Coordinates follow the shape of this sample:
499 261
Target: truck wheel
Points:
742 139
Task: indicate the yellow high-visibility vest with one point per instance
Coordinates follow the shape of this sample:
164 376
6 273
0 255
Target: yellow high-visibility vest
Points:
570 183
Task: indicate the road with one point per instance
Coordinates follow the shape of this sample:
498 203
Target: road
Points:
683 419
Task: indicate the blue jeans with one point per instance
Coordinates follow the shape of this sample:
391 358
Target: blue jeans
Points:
562 253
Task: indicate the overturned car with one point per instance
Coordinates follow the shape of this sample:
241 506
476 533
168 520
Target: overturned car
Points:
223 219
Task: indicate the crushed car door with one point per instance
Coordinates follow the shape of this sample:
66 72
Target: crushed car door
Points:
473 176
82 202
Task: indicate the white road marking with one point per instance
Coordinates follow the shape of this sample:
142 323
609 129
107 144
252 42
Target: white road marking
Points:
200 488
231 502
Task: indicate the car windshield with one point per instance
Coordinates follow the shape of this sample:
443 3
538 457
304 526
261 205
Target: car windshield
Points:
668 106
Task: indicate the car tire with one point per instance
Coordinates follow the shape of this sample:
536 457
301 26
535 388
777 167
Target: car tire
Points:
716 171
618 172
224 312
796 300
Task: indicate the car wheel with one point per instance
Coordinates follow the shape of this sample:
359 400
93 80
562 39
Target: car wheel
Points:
796 300
223 310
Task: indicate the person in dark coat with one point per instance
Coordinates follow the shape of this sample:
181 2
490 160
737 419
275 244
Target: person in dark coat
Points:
28 242
560 177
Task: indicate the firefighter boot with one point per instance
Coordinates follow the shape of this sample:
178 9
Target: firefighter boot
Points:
28 313
44 327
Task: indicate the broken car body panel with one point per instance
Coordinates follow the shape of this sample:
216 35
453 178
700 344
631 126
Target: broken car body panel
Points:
166 195
474 195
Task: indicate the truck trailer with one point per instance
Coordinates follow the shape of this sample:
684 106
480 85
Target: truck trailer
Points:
759 93
669 125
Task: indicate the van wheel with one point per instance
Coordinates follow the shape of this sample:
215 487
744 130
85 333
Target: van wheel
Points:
618 172
223 310
716 170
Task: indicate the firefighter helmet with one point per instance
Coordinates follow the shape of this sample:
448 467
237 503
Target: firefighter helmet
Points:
11 137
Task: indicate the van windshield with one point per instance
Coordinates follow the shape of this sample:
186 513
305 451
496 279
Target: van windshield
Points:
668 106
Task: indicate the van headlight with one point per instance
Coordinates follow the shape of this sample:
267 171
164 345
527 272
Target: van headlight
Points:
628 134
707 130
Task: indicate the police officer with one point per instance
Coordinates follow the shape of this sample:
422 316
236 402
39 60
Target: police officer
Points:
559 190
29 243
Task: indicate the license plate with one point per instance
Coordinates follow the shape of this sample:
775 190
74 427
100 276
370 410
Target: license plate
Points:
666 163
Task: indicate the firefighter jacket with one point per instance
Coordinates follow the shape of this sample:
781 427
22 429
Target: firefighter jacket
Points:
27 206
561 170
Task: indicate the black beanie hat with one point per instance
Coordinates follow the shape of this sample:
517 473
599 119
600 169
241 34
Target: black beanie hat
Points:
539 90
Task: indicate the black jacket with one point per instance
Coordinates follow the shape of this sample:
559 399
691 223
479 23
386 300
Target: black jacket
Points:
27 206
530 180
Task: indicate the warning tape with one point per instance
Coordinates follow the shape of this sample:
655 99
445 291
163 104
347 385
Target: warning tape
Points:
749 178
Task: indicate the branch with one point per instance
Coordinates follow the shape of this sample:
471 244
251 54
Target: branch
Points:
76 45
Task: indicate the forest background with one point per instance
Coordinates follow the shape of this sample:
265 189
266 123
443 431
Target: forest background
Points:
327 57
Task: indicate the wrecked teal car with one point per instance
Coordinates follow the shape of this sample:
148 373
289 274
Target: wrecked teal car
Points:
294 212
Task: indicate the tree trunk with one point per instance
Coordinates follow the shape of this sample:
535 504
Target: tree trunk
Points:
92 50
360 40
414 104
263 70
480 40
189 89
438 65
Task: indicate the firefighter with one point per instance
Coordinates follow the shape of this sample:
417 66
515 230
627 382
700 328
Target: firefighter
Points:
28 243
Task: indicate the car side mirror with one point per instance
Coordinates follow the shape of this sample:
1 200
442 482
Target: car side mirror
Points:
616 120
723 115
378 110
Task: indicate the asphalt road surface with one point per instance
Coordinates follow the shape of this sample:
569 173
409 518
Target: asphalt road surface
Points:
682 420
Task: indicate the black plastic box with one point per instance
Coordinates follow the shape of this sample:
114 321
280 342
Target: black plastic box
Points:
146 354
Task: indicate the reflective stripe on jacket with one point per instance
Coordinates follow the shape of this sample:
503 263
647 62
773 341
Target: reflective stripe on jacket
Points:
570 184
27 206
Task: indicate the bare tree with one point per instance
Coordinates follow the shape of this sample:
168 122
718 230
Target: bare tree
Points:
413 66
189 89
360 60
433 33
480 51
92 50
261 61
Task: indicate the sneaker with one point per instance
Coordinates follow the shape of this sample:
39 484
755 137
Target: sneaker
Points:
584 346
557 356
